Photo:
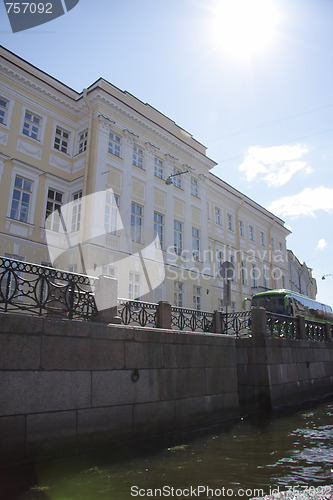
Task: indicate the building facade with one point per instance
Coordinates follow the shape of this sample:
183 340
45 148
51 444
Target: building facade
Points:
98 182
300 277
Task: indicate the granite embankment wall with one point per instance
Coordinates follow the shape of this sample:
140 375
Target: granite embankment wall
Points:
83 383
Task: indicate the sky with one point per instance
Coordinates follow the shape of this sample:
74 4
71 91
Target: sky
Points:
252 80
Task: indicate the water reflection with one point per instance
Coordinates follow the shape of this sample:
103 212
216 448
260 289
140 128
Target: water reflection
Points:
277 451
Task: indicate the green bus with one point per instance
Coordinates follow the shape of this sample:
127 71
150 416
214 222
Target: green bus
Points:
289 303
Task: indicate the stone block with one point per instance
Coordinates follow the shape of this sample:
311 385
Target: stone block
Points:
184 356
20 352
25 392
182 383
156 415
12 438
50 426
97 420
221 380
20 324
143 355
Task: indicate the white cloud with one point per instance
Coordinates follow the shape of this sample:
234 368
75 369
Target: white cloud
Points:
275 165
307 203
322 243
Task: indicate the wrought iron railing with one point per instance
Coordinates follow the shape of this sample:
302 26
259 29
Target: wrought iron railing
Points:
315 330
281 326
137 312
191 319
236 323
41 290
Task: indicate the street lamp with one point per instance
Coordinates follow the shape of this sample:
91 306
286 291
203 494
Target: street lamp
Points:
169 181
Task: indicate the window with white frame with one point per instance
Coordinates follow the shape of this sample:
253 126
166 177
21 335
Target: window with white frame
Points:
134 286
230 222
61 140
195 243
194 187
273 244
265 276
114 144
108 271
136 222
159 227
178 296
4 108
284 281
32 125
82 141
177 178
254 276
218 216
21 199
197 298
158 167
178 237
244 272
241 228
137 156
111 212
262 239
76 211
219 259
53 206
251 233
233 262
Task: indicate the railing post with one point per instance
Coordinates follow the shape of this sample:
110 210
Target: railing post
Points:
258 322
217 322
106 298
301 332
163 319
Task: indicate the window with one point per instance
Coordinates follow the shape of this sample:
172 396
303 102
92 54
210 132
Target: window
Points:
254 276
134 288
4 106
32 125
194 187
273 244
61 140
265 274
158 168
195 243
53 206
136 222
82 146
76 211
251 233
262 239
114 144
111 212
177 179
178 296
244 272
197 298
178 237
218 216
108 271
137 156
230 222
21 199
241 228
219 259
158 227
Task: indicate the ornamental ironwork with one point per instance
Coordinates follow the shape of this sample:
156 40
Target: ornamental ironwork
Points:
281 326
315 330
137 312
236 323
45 291
191 319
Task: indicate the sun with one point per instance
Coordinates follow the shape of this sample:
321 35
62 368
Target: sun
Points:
243 28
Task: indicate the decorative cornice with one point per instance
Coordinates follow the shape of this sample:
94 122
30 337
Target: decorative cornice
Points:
106 123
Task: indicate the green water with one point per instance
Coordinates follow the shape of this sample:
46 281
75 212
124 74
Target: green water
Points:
283 450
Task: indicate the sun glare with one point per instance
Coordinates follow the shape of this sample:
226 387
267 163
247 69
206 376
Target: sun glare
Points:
243 28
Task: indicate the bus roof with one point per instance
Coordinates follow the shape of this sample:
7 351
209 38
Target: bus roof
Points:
290 293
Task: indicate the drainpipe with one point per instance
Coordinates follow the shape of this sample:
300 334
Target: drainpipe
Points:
85 186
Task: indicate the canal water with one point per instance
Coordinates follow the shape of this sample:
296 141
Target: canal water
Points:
285 450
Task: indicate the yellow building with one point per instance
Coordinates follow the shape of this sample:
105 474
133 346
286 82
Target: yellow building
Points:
59 147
